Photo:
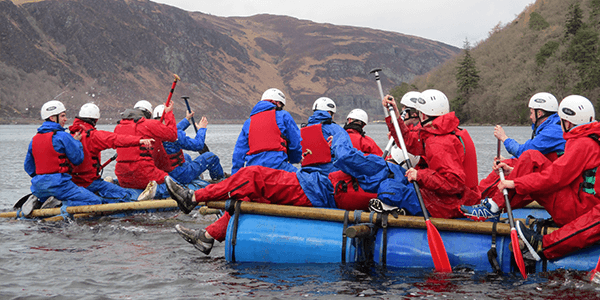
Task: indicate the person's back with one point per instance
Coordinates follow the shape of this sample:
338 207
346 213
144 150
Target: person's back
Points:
135 166
317 154
269 138
356 120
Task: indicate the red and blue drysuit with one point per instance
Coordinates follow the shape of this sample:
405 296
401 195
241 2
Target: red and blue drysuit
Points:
135 166
367 177
547 139
185 170
255 140
320 158
50 157
87 174
568 188
447 172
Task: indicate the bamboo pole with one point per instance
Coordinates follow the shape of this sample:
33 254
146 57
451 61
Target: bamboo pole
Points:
112 207
337 215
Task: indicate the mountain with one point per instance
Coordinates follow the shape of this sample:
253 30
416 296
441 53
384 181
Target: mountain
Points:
552 46
116 52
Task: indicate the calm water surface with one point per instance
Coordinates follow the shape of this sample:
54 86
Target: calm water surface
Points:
142 257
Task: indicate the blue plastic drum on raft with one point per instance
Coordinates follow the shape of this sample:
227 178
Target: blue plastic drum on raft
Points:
286 240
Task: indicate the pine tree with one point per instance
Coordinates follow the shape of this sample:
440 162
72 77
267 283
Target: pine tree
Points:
467 79
574 19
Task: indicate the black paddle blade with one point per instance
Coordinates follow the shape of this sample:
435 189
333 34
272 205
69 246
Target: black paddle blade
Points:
21 201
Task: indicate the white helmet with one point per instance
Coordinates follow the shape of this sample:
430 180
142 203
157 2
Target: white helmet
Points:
89 110
410 99
358 114
398 156
433 103
158 111
144 105
52 108
325 104
577 110
273 94
544 101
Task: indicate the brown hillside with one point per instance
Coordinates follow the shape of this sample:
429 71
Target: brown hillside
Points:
115 52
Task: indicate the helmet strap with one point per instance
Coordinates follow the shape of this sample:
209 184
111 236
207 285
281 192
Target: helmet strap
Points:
429 119
356 125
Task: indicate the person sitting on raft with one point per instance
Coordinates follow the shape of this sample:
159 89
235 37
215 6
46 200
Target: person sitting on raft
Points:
356 121
317 153
270 137
360 178
447 172
564 187
135 166
546 137
180 166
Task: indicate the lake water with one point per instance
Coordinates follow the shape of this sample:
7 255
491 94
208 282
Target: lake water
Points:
141 257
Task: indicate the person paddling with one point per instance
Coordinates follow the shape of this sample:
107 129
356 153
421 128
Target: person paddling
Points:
564 187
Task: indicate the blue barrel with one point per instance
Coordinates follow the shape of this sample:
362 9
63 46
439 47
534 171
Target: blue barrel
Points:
286 240
409 248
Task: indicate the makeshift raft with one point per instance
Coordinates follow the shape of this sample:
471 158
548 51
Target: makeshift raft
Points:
291 234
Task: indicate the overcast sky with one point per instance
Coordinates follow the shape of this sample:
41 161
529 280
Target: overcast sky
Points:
448 21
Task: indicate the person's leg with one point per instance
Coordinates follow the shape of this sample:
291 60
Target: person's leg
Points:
112 193
578 234
211 161
75 195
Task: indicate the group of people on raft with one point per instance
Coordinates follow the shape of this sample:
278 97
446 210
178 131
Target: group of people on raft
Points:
341 167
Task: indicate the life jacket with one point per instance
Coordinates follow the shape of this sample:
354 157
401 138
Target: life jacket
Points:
470 162
173 161
264 134
47 160
313 140
347 193
130 154
590 177
89 170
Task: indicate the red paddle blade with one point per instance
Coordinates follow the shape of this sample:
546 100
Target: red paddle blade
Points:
438 251
595 270
517 252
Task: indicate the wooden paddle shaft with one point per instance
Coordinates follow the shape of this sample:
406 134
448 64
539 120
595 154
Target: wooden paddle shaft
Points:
337 215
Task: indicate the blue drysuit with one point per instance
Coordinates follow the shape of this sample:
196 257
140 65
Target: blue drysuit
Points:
272 159
548 137
373 173
191 169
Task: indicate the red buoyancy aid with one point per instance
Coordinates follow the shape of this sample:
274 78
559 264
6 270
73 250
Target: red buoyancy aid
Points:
47 160
168 162
313 140
470 162
264 134
89 170
129 154
347 193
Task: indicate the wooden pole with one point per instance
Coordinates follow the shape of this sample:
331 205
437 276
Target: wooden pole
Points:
337 215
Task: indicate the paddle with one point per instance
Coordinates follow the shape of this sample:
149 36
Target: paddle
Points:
170 95
185 98
385 111
436 245
513 232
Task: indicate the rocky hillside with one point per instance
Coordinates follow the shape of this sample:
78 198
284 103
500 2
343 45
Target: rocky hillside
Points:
115 52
